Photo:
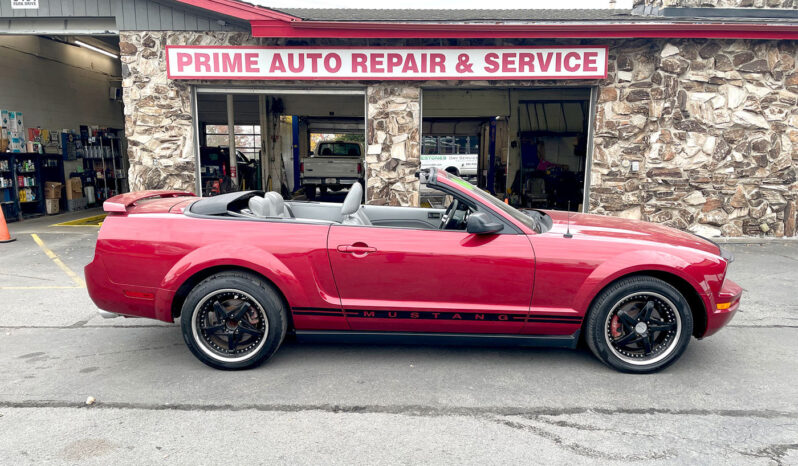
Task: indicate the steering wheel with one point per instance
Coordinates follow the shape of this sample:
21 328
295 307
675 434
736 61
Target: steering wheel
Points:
448 220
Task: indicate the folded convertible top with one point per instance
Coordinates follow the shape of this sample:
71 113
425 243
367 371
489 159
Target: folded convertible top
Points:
221 204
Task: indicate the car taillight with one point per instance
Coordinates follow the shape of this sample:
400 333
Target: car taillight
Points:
301 167
359 168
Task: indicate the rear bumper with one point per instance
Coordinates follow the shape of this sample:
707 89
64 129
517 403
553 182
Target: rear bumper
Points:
326 181
724 306
124 300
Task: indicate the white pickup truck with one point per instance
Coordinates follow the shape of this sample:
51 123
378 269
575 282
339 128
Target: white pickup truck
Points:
334 165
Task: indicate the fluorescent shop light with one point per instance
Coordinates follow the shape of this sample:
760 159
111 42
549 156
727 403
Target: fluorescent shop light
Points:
96 49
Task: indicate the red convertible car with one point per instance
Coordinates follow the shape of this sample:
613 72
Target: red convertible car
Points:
241 270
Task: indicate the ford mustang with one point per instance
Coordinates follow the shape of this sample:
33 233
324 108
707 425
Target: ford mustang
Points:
242 270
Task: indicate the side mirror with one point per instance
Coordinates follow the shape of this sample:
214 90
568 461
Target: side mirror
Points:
480 223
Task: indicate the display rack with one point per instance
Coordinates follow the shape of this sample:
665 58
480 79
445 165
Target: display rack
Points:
8 181
103 166
25 196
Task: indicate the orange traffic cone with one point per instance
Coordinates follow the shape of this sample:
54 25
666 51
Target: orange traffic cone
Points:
5 237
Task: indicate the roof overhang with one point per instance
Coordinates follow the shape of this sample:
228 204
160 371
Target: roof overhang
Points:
240 10
267 22
375 30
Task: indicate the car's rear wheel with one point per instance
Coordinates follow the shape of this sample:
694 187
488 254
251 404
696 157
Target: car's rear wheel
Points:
310 192
639 325
233 320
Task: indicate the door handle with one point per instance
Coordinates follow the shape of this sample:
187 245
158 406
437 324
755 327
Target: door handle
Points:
356 249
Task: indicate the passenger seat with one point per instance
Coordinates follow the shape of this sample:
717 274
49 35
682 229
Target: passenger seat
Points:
351 211
270 205
280 208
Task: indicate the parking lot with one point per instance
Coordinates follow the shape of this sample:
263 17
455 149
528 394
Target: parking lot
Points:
731 398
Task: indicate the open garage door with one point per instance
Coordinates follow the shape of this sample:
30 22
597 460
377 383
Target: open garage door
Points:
526 146
275 138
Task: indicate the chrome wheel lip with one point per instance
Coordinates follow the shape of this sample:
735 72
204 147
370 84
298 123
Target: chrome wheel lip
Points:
659 357
201 341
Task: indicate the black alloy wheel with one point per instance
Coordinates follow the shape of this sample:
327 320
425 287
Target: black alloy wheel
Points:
639 324
230 324
233 320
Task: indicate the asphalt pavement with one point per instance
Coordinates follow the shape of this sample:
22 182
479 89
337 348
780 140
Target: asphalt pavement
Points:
732 398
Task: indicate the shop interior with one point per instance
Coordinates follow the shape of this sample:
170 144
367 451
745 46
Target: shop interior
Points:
62 146
527 146
274 133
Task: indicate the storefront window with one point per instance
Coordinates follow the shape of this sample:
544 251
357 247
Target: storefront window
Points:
429 145
247 138
446 145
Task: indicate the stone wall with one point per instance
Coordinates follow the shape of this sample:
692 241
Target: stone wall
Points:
393 155
720 3
713 126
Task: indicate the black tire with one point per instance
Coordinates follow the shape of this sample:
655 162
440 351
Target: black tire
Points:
618 328
310 192
247 307
323 190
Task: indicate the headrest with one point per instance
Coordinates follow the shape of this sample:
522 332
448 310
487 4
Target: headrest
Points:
352 201
261 206
277 201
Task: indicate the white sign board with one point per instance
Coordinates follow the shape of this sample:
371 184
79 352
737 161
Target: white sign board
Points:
25 4
386 63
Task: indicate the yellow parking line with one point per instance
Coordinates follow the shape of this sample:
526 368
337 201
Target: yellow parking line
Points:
93 221
75 278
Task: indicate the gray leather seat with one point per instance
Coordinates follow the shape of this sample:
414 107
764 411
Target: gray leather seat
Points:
280 209
351 210
260 206
270 205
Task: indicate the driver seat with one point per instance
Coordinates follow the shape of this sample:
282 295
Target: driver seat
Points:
351 210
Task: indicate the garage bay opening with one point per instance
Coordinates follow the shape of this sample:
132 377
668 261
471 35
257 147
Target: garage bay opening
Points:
525 146
300 143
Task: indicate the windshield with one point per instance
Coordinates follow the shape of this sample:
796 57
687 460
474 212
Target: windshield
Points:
491 199
338 149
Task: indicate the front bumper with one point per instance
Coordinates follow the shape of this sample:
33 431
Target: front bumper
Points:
725 305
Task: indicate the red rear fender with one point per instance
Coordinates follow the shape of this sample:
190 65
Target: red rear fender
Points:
231 255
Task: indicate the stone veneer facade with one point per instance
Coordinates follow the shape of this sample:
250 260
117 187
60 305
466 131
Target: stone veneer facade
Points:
712 124
393 153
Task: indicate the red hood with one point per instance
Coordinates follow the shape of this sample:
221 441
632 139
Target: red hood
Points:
621 228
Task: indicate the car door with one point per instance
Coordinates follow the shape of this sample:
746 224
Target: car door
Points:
415 280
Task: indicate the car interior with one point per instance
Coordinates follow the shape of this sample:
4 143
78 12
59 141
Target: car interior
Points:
258 205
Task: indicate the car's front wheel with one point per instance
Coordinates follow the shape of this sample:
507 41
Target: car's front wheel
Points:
639 325
233 320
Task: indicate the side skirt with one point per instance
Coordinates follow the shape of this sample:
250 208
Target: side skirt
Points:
457 339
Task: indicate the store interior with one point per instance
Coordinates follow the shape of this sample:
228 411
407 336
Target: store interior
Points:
62 146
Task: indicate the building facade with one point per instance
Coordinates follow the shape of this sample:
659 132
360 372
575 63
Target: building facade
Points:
694 125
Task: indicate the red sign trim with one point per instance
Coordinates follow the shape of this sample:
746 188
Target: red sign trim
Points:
446 77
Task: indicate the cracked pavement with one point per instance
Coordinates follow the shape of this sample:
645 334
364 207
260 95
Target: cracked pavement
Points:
730 399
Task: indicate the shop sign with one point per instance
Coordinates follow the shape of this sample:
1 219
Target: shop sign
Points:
386 63
24 4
